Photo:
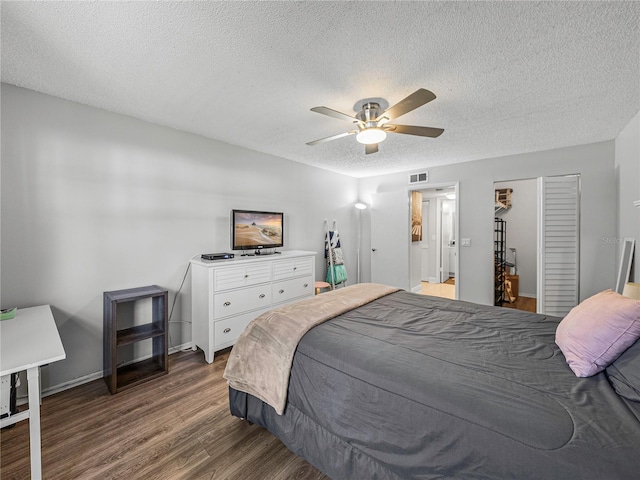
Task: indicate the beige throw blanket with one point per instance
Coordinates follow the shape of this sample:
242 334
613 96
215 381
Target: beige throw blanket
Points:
260 362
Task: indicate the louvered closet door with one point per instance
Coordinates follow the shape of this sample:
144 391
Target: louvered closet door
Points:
558 244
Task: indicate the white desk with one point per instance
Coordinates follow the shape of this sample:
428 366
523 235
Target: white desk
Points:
27 342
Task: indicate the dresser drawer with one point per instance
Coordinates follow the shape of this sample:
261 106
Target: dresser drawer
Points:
227 331
296 267
289 289
240 276
238 301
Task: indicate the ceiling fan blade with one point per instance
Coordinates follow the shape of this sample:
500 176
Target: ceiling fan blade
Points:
371 148
335 114
332 137
413 101
413 130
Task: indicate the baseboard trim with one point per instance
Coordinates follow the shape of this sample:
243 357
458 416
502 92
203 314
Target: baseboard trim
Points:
76 382
417 289
180 348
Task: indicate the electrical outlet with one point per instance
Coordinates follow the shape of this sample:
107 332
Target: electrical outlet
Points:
465 242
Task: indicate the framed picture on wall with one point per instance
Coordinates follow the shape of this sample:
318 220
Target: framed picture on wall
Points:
416 216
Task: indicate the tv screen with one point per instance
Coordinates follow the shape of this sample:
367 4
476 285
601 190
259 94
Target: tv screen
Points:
252 230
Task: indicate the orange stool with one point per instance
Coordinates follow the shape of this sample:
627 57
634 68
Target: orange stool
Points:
321 285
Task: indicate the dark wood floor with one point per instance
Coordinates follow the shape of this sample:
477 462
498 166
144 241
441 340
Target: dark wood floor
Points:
522 303
174 427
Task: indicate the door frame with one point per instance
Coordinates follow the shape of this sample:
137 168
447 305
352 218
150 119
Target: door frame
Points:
434 186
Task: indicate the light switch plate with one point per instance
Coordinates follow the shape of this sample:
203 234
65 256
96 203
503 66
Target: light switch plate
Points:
466 242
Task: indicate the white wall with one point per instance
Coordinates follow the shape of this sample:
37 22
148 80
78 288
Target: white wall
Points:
94 201
595 164
521 221
628 178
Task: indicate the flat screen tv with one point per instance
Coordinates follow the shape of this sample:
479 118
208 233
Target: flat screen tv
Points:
253 230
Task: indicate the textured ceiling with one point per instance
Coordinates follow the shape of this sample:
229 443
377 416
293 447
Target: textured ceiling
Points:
510 77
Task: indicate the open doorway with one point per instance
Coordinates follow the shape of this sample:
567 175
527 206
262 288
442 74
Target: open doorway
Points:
435 253
515 234
537 244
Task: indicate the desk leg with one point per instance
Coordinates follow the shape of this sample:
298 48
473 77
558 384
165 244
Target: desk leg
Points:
33 380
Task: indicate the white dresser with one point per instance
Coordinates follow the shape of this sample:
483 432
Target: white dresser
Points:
227 294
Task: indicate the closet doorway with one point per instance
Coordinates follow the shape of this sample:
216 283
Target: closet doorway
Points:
536 244
437 260
515 210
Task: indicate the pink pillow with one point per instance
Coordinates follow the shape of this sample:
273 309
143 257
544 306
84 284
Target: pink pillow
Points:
596 332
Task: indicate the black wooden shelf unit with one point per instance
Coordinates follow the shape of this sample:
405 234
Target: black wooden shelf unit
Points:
128 375
500 258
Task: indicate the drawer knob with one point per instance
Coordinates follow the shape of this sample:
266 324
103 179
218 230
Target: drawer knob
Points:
306 285
246 276
281 291
261 295
226 304
295 268
226 330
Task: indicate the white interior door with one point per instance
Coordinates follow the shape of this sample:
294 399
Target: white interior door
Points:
558 244
446 212
390 230
439 245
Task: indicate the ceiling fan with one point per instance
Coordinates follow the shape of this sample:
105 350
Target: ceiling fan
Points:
371 123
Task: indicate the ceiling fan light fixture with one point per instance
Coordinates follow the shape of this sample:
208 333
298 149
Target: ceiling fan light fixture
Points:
371 135
371 122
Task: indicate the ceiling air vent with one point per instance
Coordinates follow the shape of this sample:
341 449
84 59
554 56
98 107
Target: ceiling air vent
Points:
422 177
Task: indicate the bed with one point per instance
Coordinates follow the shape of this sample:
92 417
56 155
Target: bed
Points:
409 386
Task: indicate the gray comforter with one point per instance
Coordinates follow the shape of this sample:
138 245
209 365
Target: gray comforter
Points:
410 386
